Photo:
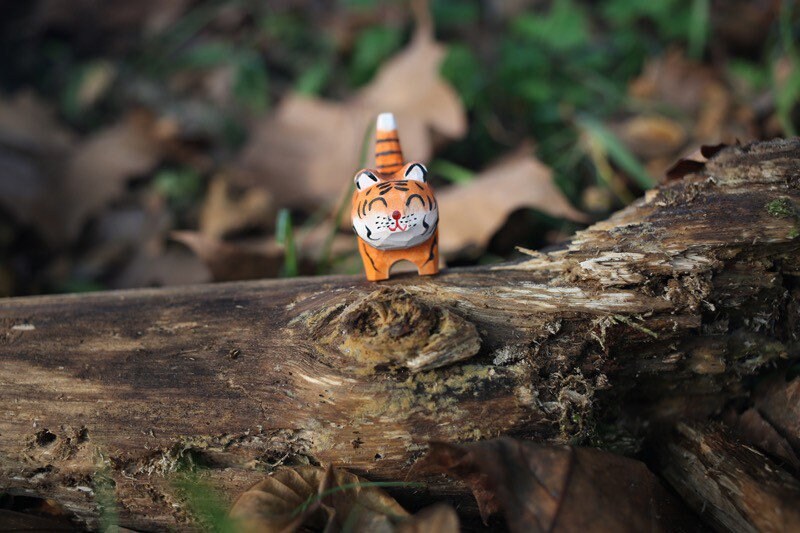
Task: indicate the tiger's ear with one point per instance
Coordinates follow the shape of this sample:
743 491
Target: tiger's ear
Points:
364 179
417 172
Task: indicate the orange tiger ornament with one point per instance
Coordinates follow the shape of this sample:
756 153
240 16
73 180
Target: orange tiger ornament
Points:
395 213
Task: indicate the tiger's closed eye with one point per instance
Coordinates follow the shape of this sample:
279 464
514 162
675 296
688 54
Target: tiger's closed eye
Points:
408 202
377 199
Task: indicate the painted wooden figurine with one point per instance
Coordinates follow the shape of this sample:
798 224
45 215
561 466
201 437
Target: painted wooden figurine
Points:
395 213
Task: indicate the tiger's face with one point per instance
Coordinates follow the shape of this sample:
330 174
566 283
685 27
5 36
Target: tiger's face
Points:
394 211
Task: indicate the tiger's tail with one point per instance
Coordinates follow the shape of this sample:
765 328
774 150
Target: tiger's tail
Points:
388 155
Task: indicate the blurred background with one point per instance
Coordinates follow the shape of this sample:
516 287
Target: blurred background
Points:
165 142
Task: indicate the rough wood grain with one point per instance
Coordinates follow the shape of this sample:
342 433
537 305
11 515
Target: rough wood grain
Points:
651 316
733 486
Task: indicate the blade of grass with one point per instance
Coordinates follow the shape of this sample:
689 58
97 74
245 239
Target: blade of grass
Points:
451 172
105 496
698 28
325 257
616 151
284 234
788 94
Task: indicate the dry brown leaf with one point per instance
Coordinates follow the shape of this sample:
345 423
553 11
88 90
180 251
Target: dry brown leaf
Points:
470 214
223 214
307 151
234 261
559 489
101 165
54 183
439 518
702 109
27 123
652 135
275 504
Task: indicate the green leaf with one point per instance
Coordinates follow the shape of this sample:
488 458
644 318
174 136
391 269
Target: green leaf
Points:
250 84
564 28
313 79
207 55
179 186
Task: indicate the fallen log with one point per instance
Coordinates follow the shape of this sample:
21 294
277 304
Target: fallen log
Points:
652 316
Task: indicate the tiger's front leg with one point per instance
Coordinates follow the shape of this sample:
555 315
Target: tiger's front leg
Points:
428 262
374 261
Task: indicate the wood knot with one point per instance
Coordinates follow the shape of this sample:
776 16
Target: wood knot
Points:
392 327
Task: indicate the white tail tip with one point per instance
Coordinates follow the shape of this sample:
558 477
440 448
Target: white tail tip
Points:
386 122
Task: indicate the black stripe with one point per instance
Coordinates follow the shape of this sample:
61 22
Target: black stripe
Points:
369 257
430 254
418 185
430 202
401 188
369 234
364 207
376 199
397 165
423 205
387 140
368 191
387 152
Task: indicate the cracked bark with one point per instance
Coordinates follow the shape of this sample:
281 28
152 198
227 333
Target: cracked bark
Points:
652 316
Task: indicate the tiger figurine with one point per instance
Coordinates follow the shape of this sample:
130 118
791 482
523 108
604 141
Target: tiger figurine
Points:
395 213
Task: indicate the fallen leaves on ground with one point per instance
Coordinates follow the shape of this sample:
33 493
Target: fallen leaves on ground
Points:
224 212
54 182
234 261
313 498
307 151
549 488
681 104
471 214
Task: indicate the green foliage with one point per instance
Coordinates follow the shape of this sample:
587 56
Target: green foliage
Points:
449 14
312 80
250 84
461 68
181 187
564 28
205 504
372 46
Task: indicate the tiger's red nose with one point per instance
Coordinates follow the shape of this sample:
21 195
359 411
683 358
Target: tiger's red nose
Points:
396 215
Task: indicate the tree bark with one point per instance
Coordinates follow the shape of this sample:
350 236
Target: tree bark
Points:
649 317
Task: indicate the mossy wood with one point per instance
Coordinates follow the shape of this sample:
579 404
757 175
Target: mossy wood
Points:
654 315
